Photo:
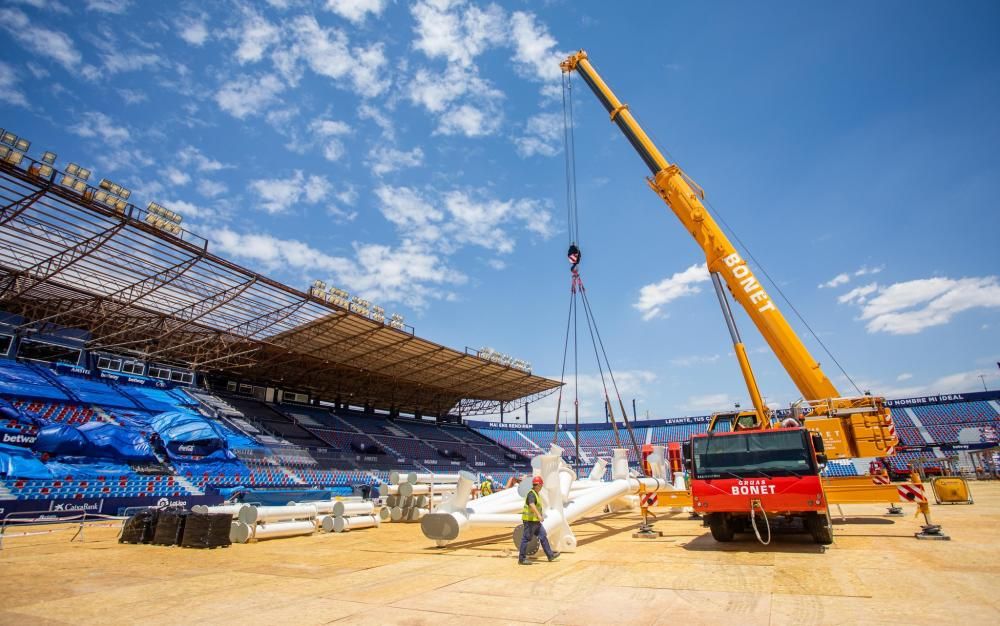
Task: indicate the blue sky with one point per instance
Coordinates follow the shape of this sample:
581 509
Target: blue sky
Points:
412 153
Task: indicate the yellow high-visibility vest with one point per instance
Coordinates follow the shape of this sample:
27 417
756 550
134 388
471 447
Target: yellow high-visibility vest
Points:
527 515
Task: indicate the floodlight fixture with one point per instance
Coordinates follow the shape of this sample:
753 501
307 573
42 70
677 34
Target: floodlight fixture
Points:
4 151
8 138
125 193
101 196
48 157
22 144
45 171
14 157
84 173
73 169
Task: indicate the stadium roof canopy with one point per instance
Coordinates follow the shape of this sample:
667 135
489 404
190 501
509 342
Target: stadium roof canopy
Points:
68 260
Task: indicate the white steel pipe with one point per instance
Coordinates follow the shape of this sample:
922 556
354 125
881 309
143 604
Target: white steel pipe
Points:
264 514
397 477
232 509
344 524
396 513
415 514
597 472
343 509
323 507
275 530
385 490
240 532
426 488
385 514
414 479
619 464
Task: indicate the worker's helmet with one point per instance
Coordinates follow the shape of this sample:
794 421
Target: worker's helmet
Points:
537 480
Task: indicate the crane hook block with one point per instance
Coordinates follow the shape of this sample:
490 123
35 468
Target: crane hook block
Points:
574 255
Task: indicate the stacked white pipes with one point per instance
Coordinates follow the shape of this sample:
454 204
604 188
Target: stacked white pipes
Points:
255 523
409 496
345 516
565 497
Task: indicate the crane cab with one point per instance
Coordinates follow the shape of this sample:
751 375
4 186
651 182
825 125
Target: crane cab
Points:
733 421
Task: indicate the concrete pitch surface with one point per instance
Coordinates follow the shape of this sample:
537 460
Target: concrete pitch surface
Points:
875 573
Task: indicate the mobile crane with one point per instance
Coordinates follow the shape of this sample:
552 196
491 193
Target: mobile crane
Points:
733 474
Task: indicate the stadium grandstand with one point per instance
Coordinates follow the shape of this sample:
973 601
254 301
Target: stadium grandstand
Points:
137 365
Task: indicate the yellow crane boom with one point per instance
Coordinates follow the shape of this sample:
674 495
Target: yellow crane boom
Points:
859 426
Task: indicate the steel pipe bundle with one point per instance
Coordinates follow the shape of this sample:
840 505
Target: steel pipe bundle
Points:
264 514
339 524
409 496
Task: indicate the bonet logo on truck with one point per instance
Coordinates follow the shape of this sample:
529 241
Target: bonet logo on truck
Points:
758 487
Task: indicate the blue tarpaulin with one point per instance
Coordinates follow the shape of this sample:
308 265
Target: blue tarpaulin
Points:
190 434
94 439
16 462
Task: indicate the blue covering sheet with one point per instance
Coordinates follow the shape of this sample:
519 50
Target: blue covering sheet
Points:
21 380
95 439
96 392
18 462
190 434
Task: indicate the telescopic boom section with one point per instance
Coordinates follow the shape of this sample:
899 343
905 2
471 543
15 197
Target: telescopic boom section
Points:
684 197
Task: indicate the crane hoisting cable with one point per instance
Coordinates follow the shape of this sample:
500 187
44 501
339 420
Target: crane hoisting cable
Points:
579 293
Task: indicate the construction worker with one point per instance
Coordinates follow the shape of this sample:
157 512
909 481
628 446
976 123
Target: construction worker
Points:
486 487
532 518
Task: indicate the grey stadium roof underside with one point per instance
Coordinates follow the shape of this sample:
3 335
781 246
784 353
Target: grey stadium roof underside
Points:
70 261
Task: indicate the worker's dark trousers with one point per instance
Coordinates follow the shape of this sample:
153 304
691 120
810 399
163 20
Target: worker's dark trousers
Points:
532 530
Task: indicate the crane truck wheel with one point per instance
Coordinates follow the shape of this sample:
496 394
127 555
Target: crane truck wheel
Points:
820 527
721 526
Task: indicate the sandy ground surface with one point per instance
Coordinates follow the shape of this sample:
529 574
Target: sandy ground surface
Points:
875 573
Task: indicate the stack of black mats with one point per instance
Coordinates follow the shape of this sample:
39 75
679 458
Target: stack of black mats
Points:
140 528
170 526
207 530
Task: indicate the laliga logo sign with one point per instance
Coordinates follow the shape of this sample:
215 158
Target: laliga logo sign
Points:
166 502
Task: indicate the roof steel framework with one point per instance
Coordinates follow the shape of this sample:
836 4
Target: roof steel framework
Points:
68 261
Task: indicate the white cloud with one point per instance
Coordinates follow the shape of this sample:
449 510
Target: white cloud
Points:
94 124
455 218
116 7
247 96
653 297
836 281
463 102
277 195
404 273
859 294
909 307
42 41
534 49
542 135
356 10
327 133
904 376
709 402
132 96
189 156
9 92
384 159
458 32
327 52
190 211
864 270
469 120
697 359
211 188
256 35
47 5
177 177
194 31
383 121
